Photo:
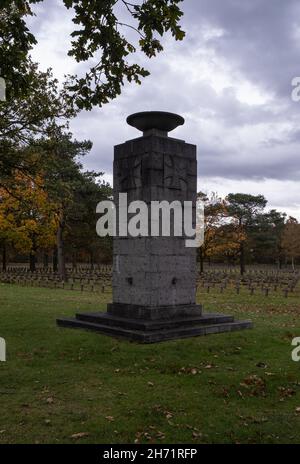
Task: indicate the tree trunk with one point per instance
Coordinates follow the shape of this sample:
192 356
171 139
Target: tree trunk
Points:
54 260
293 263
74 261
46 261
92 260
242 258
61 250
4 257
32 262
201 260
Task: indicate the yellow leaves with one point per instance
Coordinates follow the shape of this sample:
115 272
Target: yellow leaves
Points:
27 216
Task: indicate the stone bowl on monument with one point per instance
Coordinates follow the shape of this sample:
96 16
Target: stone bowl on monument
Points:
154 276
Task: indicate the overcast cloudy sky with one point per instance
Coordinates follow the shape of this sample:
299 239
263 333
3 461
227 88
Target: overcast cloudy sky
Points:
230 79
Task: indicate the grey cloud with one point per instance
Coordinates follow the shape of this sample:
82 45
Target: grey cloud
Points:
258 37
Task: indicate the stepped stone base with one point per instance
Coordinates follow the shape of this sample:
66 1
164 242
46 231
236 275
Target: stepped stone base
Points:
132 311
146 330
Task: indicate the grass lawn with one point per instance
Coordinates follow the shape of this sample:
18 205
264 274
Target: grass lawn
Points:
68 386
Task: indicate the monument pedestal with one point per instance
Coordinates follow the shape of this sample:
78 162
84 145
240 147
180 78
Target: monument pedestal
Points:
153 331
154 275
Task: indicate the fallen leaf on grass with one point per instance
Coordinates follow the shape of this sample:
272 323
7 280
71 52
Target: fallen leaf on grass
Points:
110 418
225 392
286 392
262 365
254 386
25 405
189 370
76 436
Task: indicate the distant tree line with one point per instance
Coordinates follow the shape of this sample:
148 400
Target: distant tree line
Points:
238 229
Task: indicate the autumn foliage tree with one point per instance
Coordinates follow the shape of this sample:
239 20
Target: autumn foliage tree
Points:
243 209
221 237
28 220
291 240
213 215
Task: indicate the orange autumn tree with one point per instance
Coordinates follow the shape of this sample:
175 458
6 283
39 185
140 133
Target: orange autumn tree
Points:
290 241
220 238
243 210
28 220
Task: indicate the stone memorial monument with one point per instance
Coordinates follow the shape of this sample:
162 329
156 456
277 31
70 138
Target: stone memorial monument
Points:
154 276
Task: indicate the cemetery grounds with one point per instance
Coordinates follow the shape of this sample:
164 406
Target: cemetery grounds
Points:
71 386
